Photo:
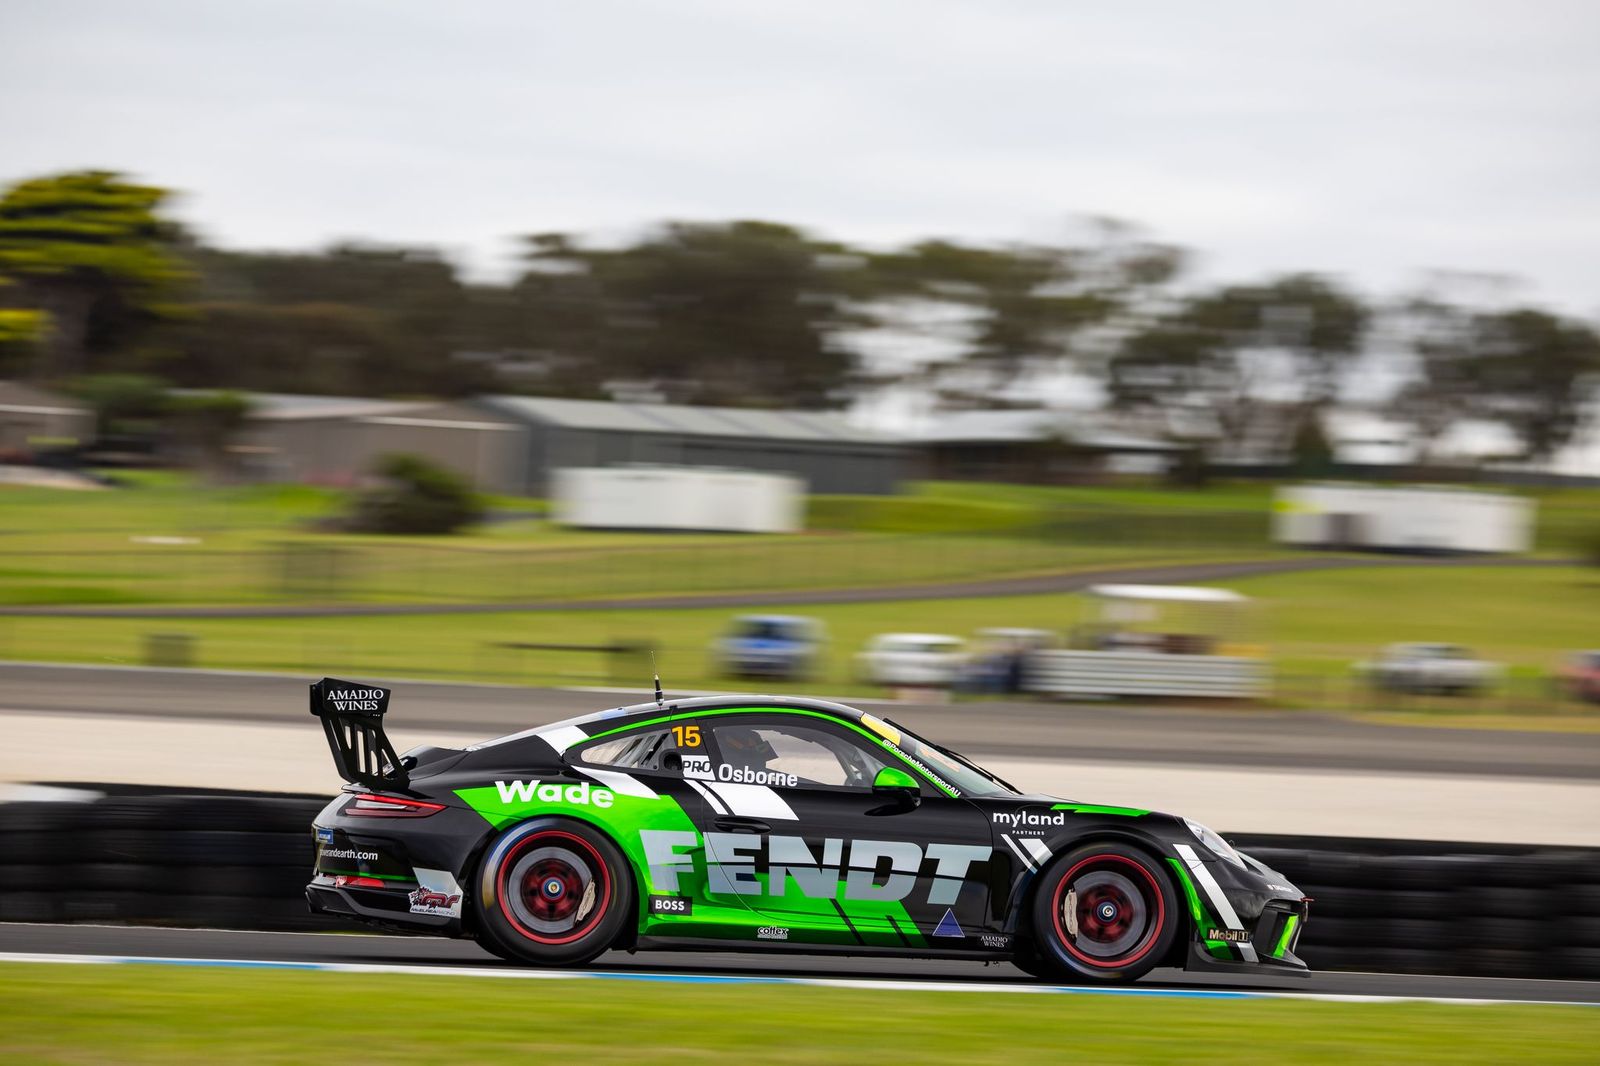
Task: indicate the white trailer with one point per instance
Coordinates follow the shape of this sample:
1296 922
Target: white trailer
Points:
677 498
1402 519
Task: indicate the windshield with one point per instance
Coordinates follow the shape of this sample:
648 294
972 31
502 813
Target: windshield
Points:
962 773
767 629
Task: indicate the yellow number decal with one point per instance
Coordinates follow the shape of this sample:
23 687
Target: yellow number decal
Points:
687 736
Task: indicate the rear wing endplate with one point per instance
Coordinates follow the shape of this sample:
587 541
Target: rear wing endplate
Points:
352 717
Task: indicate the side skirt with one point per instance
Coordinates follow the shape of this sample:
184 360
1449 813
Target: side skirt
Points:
779 947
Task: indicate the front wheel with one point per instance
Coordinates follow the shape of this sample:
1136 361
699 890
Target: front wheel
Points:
553 892
1104 912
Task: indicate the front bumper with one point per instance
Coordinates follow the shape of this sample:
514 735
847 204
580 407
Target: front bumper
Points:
1246 919
1270 946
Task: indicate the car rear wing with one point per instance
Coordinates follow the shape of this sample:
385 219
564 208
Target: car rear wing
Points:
352 717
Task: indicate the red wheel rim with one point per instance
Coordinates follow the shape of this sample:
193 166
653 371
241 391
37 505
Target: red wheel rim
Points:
1105 911
550 890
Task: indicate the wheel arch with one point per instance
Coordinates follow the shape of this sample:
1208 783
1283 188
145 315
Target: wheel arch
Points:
1150 844
480 853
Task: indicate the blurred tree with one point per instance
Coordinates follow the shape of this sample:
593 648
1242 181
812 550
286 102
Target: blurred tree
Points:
1029 302
206 423
1528 369
1242 356
90 250
738 313
414 496
1311 450
21 332
356 319
1539 372
1441 337
125 405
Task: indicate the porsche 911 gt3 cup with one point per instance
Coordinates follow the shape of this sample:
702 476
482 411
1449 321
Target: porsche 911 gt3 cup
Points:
771 824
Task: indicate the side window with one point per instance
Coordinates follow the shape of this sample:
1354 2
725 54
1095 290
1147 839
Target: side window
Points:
635 751
789 756
671 749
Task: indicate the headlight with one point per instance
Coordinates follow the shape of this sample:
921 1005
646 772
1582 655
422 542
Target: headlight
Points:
1218 847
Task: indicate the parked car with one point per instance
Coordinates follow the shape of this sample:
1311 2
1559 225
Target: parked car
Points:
1446 669
1579 676
911 659
999 660
782 647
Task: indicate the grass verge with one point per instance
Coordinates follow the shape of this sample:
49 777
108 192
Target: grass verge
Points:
1315 625
146 1014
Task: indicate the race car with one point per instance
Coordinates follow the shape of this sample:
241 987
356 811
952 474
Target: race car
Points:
771 824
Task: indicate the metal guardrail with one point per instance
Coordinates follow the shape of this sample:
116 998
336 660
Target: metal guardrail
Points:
1114 673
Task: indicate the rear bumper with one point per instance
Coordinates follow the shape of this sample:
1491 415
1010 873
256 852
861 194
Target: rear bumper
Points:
389 908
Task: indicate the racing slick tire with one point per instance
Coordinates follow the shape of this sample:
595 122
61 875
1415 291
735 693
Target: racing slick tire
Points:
1104 912
553 892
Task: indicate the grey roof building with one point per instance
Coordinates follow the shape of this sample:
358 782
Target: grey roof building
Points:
336 439
829 453
1034 445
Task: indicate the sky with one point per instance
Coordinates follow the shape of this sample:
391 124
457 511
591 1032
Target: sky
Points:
1374 141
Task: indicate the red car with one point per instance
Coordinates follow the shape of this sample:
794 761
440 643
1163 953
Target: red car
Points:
1580 676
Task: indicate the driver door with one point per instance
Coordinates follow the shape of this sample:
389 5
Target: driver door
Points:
826 859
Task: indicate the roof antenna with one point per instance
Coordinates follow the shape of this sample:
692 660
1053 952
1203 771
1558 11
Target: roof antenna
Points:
657 672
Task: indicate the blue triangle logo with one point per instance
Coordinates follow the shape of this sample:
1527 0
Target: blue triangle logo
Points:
948 926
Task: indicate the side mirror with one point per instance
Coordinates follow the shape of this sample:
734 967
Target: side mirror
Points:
898 785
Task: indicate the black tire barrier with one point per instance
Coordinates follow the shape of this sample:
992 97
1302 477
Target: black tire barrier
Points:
195 859
1407 906
241 861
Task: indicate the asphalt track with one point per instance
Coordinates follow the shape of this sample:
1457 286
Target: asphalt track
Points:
1029 729
1184 573
130 943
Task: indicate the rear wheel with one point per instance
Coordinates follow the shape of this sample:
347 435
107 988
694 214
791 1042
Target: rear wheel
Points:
1104 912
553 892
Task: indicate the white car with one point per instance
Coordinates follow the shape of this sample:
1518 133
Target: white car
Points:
1447 669
910 660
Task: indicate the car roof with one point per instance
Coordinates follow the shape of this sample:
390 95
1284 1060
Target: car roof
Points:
633 714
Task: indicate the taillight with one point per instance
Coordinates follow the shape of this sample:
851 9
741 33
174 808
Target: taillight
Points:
343 881
371 806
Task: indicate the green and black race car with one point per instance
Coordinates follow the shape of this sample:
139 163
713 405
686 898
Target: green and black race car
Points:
769 824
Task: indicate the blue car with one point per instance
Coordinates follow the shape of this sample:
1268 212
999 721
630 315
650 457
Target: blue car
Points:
780 647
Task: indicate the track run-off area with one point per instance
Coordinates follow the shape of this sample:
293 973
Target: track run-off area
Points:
371 953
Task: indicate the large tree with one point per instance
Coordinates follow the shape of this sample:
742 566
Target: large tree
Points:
1239 357
1026 305
1530 370
92 252
356 319
742 313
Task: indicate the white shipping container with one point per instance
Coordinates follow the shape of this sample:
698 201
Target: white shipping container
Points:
684 498
1402 519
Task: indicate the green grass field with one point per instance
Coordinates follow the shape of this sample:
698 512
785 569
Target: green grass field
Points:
163 540
1314 625
167 1014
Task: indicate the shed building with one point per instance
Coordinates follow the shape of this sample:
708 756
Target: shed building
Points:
821 448
336 439
34 419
